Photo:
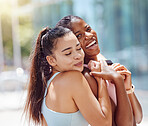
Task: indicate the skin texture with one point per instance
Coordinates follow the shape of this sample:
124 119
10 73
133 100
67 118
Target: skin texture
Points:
68 54
72 88
86 35
128 84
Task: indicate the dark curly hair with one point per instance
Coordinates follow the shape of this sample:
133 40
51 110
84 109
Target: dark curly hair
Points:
66 21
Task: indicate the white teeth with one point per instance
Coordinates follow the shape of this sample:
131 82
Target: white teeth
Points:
91 44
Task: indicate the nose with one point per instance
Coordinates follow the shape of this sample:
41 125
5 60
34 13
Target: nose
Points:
77 56
88 35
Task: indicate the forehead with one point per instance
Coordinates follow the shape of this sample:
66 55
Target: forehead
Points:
78 24
67 40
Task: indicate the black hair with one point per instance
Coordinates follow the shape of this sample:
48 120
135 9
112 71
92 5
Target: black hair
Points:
66 21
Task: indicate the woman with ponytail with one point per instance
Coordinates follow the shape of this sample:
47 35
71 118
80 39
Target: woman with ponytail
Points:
58 94
39 73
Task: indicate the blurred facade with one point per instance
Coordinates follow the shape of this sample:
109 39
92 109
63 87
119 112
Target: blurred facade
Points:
121 25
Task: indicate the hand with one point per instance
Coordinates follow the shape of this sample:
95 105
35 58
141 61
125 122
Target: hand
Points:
126 74
94 66
106 72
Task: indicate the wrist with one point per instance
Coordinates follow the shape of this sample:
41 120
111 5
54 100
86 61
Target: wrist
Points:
117 78
128 88
131 90
128 84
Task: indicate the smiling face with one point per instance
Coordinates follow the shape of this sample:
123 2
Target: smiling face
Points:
68 54
86 36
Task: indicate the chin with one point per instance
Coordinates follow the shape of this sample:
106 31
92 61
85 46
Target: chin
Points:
80 70
95 53
98 51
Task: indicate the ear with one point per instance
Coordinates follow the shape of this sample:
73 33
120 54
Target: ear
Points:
51 60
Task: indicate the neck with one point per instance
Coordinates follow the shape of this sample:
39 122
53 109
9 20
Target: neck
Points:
96 58
88 58
54 71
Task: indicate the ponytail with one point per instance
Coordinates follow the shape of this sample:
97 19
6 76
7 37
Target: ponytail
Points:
40 72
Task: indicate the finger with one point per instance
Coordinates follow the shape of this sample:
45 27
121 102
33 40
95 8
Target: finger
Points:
119 68
94 66
103 81
115 65
123 77
100 75
103 62
96 74
91 65
98 66
124 72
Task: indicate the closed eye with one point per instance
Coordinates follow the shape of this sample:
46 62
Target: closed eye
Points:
79 48
67 54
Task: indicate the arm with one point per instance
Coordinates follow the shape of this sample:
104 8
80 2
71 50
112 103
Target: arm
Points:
122 112
136 107
91 81
96 113
137 110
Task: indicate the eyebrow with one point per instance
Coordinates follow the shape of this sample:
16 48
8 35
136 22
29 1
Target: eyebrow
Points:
69 48
76 32
66 49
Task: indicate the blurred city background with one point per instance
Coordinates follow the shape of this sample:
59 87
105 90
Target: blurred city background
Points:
122 29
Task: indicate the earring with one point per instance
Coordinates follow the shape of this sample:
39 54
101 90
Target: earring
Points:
50 69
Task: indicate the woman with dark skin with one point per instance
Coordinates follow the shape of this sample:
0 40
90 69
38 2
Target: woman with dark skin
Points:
89 43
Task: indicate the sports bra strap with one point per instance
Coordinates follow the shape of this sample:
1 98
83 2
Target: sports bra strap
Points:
49 81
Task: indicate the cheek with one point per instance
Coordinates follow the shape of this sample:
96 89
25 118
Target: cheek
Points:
84 50
82 45
64 64
67 60
83 54
94 33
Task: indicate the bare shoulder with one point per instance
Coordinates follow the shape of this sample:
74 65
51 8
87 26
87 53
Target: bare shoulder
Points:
86 73
71 77
91 81
75 83
88 77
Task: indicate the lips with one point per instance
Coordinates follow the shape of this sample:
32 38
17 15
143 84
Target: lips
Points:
91 44
79 64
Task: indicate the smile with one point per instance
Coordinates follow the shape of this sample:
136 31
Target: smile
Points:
91 44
